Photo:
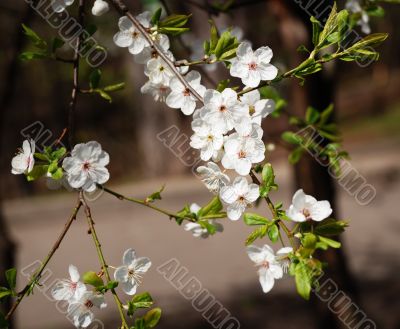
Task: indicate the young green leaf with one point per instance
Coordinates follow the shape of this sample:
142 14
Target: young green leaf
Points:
11 277
254 219
152 317
273 233
93 279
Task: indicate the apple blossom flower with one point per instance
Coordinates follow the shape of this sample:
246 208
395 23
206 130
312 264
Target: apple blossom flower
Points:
269 269
196 229
24 161
100 7
80 309
306 207
130 273
60 5
129 36
206 138
213 177
181 97
355 7
158 71
159 91
241 153
86 166
223 109
253 66
239 196
149 52
69 289
258 108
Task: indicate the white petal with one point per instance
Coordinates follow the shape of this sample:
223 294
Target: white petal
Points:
276 271
267 71
123 39
264 54
255 254
73 273
121 274
253 193
266 280
128 257
129 287
61 291
124 23
320 210
235 210
142 264
228 194
299 199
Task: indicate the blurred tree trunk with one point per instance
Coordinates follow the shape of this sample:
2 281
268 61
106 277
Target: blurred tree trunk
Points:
318 92
7 246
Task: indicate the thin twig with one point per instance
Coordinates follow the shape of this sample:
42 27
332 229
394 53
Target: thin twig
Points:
38 273
123 9
75 88
102 260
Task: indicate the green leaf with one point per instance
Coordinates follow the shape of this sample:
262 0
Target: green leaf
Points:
374 39
104 95
143 300
331 243
213 207
326 114
155 195
92 279
4 292
59 153
37 172
58 174
94 78
214 36
254 219
273 232
222 85
34 38
152 317
42 157
292 138
30 55
115 87
268 175
174 31
343 24
174 21
330 226
303 280
309 240
316 30
256 234
11 277
312 115
376 11
156 17
330 26
295 155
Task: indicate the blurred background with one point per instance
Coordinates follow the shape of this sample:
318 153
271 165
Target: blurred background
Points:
367 102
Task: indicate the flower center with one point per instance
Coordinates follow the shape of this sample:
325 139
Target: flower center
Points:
252 109
306 213
86 166
222 108
73 285
154 54
135 34
264 264
161 68
132 274
241 154
186 92
210 138
252 66
89 304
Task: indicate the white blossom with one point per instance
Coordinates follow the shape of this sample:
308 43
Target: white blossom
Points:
60 5
213 177
282 257
269 268
80 310
24 161
149 52
100 7
158 71
241 153
129 36
181 97
206 138
258 108
159 91
196 229
239 196
355 7
86 166
130 274
223 109
69 289
253 66
306 207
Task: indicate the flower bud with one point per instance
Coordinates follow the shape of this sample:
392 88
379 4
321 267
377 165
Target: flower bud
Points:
100 7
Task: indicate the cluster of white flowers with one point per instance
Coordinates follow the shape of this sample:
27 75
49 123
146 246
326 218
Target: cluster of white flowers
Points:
81 300
227 128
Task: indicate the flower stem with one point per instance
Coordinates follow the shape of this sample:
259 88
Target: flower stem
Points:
36 277
102 260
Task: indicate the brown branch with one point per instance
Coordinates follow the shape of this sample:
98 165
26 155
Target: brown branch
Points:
123 10
38 273
75 88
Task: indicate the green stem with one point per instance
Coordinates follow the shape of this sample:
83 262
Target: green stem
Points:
38 273
102 260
